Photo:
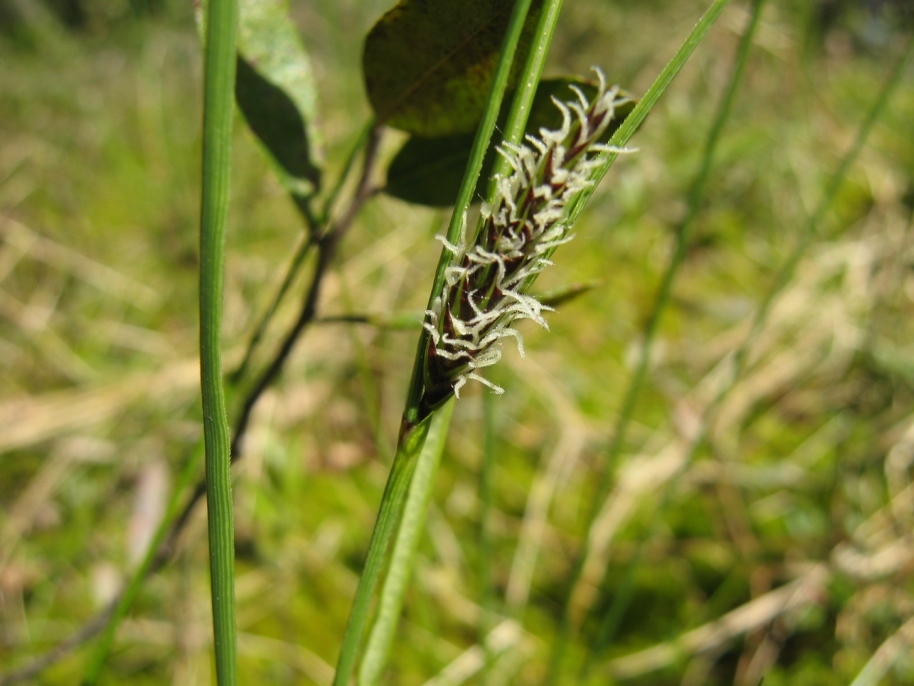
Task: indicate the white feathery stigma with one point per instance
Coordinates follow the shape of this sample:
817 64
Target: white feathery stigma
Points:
485 286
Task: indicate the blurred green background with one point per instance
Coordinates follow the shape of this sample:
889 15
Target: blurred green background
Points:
804 482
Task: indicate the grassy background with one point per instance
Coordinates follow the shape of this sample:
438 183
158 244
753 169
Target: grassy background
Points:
806 476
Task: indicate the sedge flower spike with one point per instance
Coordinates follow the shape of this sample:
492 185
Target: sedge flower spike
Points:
486 284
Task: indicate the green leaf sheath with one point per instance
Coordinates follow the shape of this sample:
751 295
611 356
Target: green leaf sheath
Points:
393 591
392 502
219 78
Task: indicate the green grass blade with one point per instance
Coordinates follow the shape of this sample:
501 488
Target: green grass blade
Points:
624 133
392 502
683 230
486 551
219 95
785 274
393 591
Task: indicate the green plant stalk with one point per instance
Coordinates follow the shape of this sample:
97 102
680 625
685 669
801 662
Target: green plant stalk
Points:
620 138
390 605
401 473
624 133
134 584
471 176
486 507
620 602
528 81
219 98
415 428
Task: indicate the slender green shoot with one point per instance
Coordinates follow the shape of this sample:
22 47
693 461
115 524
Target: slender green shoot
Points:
219 98
401 474
682 235
486 507
393 591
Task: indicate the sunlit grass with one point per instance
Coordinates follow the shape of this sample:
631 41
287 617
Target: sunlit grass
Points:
808 457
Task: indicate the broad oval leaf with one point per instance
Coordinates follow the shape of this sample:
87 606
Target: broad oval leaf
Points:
429 170
277 93
428 64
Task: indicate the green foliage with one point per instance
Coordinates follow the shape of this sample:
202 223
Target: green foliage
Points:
805 460
277 93
428 64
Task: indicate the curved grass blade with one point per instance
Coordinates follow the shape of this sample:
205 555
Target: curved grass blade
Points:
393 590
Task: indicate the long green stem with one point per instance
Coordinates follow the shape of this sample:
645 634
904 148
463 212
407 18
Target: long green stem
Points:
401 562
526 87
401 473
219 81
